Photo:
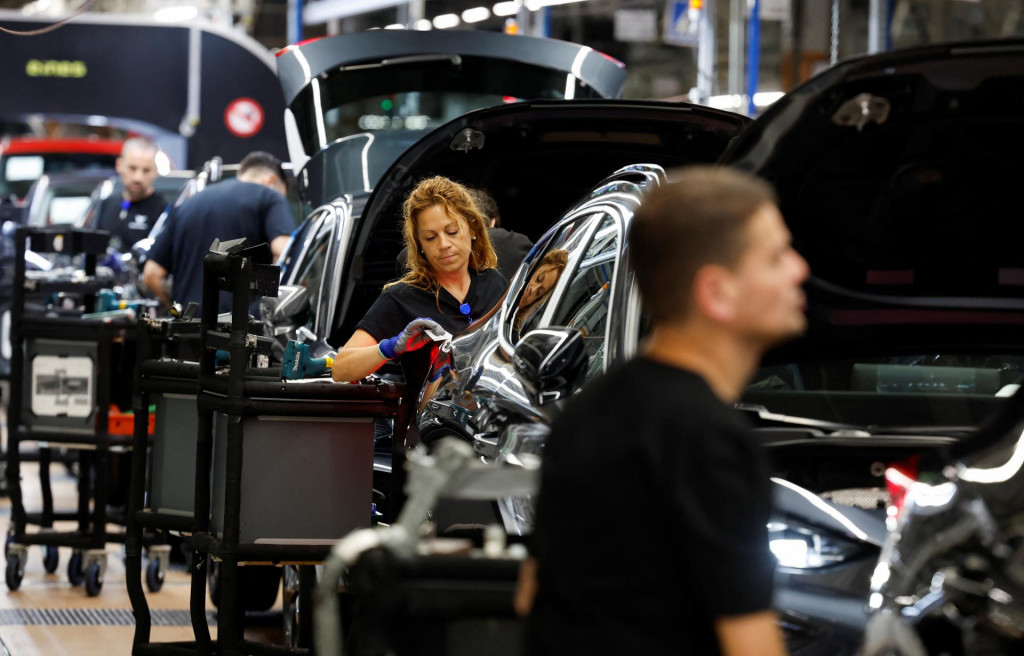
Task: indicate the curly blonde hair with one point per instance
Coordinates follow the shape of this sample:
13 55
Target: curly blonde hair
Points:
457 201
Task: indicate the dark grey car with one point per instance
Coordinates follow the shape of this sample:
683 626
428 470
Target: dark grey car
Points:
895 173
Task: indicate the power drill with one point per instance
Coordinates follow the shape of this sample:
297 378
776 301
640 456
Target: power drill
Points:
298 363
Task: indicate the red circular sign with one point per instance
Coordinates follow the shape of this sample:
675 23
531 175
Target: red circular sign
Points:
243 117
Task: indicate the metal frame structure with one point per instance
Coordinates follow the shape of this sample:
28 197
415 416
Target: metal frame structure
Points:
229 405
65 334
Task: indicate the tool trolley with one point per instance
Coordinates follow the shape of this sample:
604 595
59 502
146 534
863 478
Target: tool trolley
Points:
167 386
69 375
161 499
282 469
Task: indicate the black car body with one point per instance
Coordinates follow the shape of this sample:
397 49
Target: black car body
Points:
894 174
898 174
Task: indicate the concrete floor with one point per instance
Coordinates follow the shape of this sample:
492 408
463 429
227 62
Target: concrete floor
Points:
93 633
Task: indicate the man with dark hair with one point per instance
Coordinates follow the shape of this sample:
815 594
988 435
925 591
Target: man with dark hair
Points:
651 530
130 215
511 247
252 205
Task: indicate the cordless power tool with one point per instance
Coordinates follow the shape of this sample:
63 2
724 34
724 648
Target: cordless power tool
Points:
299 363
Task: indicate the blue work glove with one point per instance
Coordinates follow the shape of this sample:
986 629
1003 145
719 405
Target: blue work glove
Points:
413 337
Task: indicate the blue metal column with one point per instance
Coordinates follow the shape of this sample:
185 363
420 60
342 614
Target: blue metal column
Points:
753 55
294 21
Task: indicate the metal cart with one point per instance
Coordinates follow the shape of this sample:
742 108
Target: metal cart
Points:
161 500
282 469
67 374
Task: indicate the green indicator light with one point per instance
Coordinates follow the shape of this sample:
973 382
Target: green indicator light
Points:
387 104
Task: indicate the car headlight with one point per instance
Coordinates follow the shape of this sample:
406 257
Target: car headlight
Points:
800 546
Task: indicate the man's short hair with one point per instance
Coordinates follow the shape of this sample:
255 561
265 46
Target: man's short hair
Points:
697 217
487 205
259 159
139 143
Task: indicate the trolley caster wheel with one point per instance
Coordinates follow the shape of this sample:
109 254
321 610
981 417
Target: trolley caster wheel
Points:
51 559
76 574
15 571
155 575
93 580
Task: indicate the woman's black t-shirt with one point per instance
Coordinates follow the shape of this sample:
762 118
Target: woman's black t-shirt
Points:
399 304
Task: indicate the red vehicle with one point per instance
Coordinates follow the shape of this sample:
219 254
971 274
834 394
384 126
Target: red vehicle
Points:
24 159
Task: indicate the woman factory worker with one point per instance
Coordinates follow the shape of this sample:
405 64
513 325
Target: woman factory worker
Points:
451 281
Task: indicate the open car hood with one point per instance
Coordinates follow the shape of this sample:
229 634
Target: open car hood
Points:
897 174
537 159
395 80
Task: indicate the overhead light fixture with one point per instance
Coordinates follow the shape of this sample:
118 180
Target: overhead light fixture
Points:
446 21
175 14
534 5
394 26
423 25
731 102
765 98
737 102
325 10
507 8
476 14
37 7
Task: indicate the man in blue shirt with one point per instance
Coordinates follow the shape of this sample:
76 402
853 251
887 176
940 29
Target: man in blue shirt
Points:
252 206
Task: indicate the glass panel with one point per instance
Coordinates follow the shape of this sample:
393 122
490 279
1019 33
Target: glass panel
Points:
537 293
311 269
67 209
585 303
29 167
418 96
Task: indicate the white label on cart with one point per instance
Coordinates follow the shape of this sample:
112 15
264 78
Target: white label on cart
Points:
61 386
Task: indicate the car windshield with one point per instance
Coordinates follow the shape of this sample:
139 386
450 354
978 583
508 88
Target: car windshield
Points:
419 94
353 165
952 391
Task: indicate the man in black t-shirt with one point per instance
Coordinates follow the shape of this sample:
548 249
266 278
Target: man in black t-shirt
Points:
511 247
252 206
130 215
651 528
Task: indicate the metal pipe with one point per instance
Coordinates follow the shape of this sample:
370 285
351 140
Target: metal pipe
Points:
295 8
737 36
753 56
877 28
707 53
834 49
